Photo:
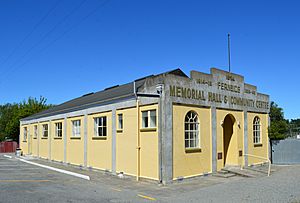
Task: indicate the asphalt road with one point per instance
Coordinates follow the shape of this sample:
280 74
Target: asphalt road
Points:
23 182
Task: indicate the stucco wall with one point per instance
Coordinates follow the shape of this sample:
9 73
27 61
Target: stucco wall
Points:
99 153
188 164
57 143
258 149
149 147
126 142
75 145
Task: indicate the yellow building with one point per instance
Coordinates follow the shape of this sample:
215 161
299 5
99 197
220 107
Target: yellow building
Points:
161 127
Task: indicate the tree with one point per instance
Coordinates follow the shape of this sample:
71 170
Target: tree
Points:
279 126
294 127
10 115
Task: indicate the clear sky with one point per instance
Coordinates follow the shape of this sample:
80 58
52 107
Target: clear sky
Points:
62 49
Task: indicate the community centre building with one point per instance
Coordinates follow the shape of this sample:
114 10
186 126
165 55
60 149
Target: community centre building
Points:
162 127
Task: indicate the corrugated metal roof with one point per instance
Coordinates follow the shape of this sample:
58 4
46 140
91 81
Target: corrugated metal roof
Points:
106 96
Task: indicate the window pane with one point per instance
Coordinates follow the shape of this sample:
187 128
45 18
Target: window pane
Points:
192 143
104 121
35 131
100 121
186 135
187 144
104 131
95 126
192 126
99 131
120 121
153 118
186 127
192 135
144 119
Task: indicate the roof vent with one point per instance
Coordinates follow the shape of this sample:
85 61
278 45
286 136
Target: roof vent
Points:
87 94
111 87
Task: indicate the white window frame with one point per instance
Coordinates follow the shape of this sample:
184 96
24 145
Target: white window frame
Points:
256 130
100 126
25 134
76 128
35 131
58 129
120 121
147 119
191 130
45 131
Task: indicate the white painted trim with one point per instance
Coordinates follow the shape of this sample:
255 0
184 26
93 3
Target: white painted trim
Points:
7 156
58 170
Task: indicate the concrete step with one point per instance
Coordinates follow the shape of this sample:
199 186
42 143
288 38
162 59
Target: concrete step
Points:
265 171
261 168
244 172
224 174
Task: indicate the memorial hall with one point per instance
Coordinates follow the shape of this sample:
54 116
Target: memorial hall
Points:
161 127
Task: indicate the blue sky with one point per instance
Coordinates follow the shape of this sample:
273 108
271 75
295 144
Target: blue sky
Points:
62 49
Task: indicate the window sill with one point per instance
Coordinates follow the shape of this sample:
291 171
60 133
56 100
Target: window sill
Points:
193 150
75 138
57 138
44 137
258 145
100 138
148 129
119 130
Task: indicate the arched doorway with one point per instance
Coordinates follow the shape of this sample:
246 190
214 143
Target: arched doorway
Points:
229 145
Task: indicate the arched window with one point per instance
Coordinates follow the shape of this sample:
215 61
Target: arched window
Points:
191 130
256 130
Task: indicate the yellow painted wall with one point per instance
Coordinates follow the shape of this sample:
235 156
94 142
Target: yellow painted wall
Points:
99 153
149 147
126 152
75 147
44 142
57 144
258 150
23 143
236 143
191 163
34 142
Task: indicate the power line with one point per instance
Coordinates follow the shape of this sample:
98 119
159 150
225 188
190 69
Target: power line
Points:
49 32
64 33
30 33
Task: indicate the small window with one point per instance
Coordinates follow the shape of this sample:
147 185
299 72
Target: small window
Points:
191 130
256 130
76 128
25 134
45 130
58 129
35 131
120 121
149 119
100 126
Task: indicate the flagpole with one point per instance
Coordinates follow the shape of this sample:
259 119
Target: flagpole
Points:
229 52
